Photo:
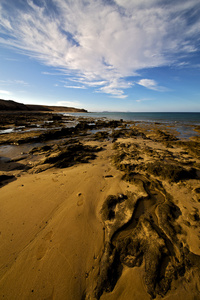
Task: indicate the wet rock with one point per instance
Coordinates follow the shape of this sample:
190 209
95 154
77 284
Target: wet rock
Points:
136 132
117 134
40 149
101 135
162 135
83 125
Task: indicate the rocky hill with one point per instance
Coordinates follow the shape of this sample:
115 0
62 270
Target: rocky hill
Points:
10 105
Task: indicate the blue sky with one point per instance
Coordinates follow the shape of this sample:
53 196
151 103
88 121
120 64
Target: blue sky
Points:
115 55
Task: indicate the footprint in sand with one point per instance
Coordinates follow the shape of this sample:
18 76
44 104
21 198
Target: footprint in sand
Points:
48 236
42 249
81 200
80 203
54 179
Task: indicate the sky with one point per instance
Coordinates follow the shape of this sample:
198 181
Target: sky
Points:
102 55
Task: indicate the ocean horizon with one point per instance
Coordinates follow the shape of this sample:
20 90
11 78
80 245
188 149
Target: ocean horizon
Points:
186 118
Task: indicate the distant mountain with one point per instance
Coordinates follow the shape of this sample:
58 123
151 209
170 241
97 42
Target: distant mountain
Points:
10 105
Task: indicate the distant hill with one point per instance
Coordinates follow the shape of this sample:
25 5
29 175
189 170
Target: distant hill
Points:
10 105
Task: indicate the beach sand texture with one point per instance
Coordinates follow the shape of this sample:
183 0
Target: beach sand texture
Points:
107 212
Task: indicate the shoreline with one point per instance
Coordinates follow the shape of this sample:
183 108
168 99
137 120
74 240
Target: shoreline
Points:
106 209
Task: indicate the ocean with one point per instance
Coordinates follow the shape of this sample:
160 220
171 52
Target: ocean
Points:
184 123
161 117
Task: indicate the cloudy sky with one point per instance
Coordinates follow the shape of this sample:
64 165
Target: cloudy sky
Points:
116 55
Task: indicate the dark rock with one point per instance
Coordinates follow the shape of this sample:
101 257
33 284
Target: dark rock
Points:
171 172
73 154
4 179
150 236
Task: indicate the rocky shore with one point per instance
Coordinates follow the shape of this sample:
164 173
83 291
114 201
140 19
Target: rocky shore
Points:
97 209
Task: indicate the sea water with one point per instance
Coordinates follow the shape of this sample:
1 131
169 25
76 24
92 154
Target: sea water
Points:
183 123
162 117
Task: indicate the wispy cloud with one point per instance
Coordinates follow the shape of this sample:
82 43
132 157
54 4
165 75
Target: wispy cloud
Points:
151 84
102 41
143 99
69 103
14 82
53 73
21 82
75 87
11 59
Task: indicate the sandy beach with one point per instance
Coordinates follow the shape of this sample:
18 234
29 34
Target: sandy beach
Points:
97 209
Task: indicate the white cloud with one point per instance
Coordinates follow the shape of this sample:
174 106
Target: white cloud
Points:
102 43
5 92
52 73
115 88
11 59
151 84
21 82
143 99
14 82
69 103
148 83
75 87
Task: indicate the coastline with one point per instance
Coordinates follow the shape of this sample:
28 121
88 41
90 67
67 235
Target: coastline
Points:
98 209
